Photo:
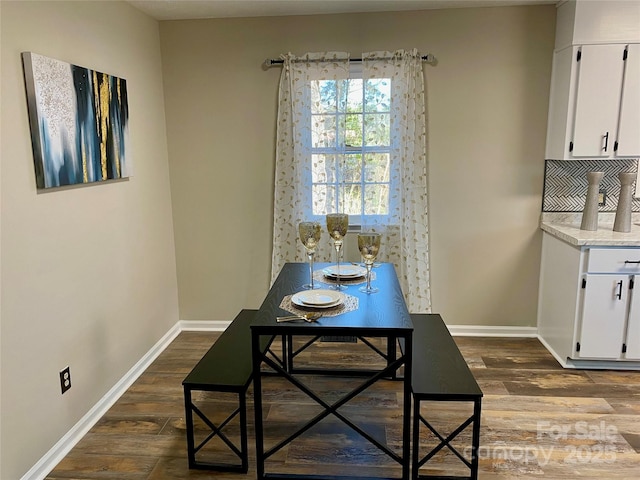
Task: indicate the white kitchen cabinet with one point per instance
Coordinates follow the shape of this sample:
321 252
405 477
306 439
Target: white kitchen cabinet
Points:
632 341
629 127
593 107
604 315
606 301
598 93
588 308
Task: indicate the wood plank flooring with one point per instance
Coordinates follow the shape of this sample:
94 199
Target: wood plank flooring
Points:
538 420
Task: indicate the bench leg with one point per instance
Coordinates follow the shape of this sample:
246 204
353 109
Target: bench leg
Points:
415 467
217 431
473 420
244 450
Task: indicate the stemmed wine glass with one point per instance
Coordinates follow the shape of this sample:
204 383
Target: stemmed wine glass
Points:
310 236
337 225
369 246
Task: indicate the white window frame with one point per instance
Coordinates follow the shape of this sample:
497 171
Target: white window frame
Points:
355 220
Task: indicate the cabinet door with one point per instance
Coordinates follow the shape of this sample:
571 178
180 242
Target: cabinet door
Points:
633 324
629 126
603 316
597 100
561 98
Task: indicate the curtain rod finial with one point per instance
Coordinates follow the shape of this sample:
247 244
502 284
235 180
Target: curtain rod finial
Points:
430 59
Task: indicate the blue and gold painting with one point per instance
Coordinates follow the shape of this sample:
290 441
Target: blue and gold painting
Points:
79 122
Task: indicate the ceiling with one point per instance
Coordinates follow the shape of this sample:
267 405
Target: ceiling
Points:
192 9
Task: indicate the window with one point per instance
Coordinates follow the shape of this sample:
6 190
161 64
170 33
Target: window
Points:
351 148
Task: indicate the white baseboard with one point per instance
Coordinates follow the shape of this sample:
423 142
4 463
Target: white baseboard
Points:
455 330
491 331
48 462
203 325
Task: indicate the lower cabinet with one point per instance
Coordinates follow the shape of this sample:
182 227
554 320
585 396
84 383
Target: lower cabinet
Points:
632 342
609 314
588 309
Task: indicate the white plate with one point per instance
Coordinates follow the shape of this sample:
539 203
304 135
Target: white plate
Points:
346 271
318 298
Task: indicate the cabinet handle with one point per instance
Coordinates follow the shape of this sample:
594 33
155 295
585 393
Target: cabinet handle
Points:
631 261
619 294
606 141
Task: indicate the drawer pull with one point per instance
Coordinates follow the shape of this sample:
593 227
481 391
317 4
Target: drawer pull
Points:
619 294
632 261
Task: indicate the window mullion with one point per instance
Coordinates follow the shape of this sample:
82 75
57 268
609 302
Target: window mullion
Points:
343 149
362 155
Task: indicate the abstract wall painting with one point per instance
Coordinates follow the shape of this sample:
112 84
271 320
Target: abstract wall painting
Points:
79 122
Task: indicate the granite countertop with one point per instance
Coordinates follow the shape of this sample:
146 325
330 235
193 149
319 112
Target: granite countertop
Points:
566 227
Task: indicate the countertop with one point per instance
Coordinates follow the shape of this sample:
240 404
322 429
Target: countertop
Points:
566 227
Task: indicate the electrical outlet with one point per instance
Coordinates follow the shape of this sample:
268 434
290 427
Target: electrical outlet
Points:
65 379
602 197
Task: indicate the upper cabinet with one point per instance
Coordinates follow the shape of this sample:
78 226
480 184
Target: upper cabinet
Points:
594 108
629 125
598 93
594 104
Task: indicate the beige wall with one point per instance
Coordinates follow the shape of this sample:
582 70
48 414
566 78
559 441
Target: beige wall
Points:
88 274
487 105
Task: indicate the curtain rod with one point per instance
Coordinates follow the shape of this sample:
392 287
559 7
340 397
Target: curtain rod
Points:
269 62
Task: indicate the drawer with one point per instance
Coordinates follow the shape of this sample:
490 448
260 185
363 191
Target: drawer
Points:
614 260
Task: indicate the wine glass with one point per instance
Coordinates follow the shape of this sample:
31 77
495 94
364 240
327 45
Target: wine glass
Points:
310 236
337 225
369 246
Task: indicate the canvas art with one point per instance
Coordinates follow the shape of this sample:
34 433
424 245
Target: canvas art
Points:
79 122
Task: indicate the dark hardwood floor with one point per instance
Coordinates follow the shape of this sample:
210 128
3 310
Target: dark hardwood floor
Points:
538 420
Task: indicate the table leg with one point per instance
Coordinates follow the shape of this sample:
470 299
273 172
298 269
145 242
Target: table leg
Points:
391 354
289 362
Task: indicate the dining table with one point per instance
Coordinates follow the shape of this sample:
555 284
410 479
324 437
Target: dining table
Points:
382 315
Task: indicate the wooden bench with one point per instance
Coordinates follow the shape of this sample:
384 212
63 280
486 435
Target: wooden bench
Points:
440 373
226 367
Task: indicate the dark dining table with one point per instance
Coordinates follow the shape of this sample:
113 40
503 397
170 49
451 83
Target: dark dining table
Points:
382 314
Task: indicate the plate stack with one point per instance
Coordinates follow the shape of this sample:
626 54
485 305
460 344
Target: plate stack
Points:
347 272
318 299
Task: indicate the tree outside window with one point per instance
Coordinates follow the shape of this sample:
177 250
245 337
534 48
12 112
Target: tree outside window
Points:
351 144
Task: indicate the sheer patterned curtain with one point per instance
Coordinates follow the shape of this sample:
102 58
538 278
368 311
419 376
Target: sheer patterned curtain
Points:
405 237
405 229
293 152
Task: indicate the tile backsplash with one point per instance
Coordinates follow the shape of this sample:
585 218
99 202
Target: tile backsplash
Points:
565 184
